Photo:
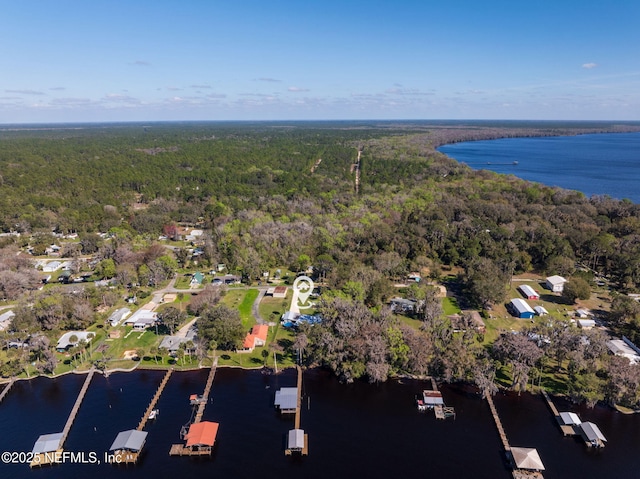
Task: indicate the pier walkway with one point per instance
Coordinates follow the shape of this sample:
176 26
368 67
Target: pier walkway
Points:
153 402
297 440
50 453
6 389
207 390
510 452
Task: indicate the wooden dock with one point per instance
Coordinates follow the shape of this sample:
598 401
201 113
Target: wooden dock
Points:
201 402
516 473
496 418
207 390
46 459
304 450
567 429
297 419
441 411
153 402
6 389
76 407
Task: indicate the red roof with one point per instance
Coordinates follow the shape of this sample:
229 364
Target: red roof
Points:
202 434
260 331
249 341
280 290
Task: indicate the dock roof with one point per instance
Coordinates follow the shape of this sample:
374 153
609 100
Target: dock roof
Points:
131 440
202 434
47 443
287 398
591 432
296 439
570 418
527 458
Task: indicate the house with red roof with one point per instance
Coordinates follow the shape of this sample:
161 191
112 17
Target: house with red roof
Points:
257 337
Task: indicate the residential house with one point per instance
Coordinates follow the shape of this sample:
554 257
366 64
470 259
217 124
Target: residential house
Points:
66 341
257 337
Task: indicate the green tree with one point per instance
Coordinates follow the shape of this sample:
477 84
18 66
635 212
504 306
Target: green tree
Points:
576 288
222 325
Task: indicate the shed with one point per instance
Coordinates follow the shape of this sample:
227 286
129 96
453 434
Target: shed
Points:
295 440
131 440
47 443
280 292
521 309
586 323
527 458
555 283
541 310
528 292
202 434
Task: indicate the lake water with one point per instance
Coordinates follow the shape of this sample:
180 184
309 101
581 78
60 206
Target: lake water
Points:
356 430
602 164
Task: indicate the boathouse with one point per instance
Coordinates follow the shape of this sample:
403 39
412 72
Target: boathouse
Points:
202 435
528 292
569 423
592 435
287 400
127 445
520 309
47 443
527 458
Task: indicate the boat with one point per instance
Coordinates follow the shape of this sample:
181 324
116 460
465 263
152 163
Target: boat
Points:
154 413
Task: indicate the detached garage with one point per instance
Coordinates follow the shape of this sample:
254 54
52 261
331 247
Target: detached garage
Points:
528 292
520 309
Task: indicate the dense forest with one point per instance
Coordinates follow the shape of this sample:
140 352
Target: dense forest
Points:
284 194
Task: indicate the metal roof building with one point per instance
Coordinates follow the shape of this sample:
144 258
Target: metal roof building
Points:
287 399
521 309
592 434
202 434
528 291
47 443
131 440
295 439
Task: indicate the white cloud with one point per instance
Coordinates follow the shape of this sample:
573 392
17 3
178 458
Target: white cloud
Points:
266 79
140 63
589 65
25 92
297 89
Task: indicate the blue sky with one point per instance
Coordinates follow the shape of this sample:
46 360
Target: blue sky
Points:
142 60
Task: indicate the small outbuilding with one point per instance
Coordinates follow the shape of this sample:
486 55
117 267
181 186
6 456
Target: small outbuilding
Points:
47 443
528 292
592 434
129 441
202 435
541 310
520 309
555 283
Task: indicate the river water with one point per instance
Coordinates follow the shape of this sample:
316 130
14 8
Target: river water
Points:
356 430
601 164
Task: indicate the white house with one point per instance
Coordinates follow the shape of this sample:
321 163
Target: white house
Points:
118 315
65 341
556 283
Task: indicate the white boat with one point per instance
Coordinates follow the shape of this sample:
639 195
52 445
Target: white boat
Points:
154 413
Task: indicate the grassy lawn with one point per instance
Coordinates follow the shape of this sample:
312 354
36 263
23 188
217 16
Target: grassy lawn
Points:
131 340
271 309
450 306
245 308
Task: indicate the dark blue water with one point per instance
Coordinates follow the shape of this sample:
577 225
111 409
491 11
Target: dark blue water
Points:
356 430
602 164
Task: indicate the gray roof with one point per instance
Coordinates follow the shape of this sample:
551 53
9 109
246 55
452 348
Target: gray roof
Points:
287 398
119 315
296 439
570 418
47 443
131 440
521 306
592 432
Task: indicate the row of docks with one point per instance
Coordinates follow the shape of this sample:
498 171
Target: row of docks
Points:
571 425
127 447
